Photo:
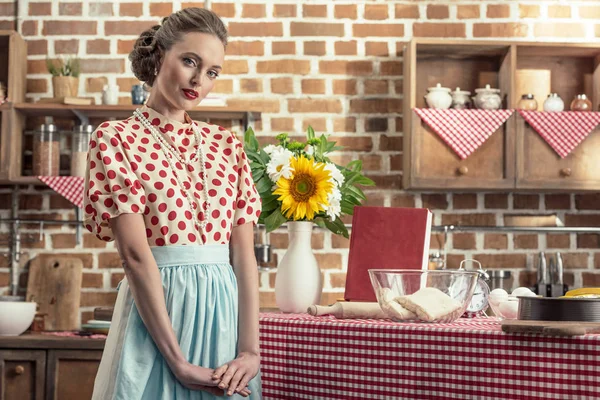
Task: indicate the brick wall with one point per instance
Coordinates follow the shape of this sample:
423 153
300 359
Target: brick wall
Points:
335 66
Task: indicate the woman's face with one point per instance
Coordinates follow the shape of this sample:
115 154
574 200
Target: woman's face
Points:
189 69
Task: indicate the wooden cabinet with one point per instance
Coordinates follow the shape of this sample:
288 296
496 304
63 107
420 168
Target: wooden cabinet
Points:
41 367
515 156
22 374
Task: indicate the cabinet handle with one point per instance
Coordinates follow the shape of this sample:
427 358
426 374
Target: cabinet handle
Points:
565 172
462 170
19 370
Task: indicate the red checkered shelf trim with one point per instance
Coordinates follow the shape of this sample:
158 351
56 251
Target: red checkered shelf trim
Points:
69 187
305 357
564 130
463 130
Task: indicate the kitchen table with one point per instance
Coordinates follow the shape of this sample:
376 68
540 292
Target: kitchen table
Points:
306 357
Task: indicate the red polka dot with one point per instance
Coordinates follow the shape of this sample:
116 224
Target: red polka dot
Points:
145 176
203 238
216 214
229 213
188 215
208 227
100 176
123 198
134 166
217 236
154 156
145 140
148 233
162 207
191 237
241 204
119 156
106 160
111 174
181 225
174 238
223 201
162 173
150 167
216 182
241 221
105 215
170 193
152 197
164 230
160 242
179 202
159 185
227 152
103 147
135 208
220 174
172 215
141 149
199 186
250 210
154 220
229 192
223 224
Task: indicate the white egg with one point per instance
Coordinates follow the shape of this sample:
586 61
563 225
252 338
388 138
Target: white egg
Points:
498 295
523 291
509 309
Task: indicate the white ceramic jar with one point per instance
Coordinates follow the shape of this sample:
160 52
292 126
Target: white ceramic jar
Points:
487 98
438 97
554 103
461 99
110 95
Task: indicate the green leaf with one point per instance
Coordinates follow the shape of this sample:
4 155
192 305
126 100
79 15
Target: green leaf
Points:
257 174
264 185
310 132
275 220
250 140
270 203
337 227
364 181
355 166
356 192
320 222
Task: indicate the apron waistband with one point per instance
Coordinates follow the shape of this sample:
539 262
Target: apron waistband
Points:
168 256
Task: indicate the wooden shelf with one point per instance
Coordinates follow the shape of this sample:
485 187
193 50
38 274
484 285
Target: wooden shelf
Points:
23 180
123 111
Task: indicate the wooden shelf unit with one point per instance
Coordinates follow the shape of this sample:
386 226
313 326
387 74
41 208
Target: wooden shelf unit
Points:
501 163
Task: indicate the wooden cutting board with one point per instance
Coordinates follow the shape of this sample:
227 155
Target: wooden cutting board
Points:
55 285
556 328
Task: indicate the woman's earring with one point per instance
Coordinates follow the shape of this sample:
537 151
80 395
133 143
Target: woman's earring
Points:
155 71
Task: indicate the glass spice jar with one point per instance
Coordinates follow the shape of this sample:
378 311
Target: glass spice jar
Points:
581 103
46 151
80 145
527 102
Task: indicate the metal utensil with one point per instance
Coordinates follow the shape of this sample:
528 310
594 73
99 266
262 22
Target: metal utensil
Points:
559 269
542 270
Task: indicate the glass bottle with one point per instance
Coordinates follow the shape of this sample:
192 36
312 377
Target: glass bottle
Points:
46 151
528 103
581 103
80 145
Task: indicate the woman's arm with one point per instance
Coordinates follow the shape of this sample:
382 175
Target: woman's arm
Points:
237 373
145 284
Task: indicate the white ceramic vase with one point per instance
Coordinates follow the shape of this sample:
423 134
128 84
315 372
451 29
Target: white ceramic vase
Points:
298 281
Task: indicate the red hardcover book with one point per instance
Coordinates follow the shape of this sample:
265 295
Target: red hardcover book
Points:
385 238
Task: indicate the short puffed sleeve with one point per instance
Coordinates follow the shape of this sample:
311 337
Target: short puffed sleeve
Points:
248 204
111 185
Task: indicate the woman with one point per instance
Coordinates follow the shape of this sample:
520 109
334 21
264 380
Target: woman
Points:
176 196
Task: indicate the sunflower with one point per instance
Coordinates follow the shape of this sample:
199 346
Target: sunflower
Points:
305 192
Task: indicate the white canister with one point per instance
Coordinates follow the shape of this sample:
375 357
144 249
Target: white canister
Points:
438 97
110 95
461 99
487 98
554 103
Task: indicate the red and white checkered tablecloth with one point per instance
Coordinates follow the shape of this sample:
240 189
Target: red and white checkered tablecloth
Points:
305 357
564 130
463 130
69 187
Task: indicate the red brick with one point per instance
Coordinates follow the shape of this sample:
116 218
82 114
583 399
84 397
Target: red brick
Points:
329 261
312 29
98 46
11 26
314 48
100 9
251 85
588 241
318 124
314 10
435 201
525 241
37 47
559 11
313 86
337 280
307 105
582 220
69 9
468 11
40 9
396 162
587 201
344 124
344 86
402 200
376 87
102 65
438 11
279 48
258 104
284 10
90 241
526 201
339 242
496 241
379 49
223 86
92 280
73 28
234 67
346 67
253 11
495 200
63 241
161 9
7 10
66 46
242 48
428 29
375 106
499 29
590 279
282 85
282 124
557 201
131 9
383 30
37 85
562 30
463 241
346 48
125 84
498 11
390 143
125 46
464 201
354 143
529 11
474 219
29 28
391 68
376 11
98 299
255 29
134 28
410 11
503 261
289 66
558 241
342 11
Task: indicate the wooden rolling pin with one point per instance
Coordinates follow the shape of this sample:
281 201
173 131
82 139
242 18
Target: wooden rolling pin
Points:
347 310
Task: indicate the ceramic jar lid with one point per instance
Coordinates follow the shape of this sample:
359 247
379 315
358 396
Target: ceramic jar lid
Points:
458 91
438 88
487 89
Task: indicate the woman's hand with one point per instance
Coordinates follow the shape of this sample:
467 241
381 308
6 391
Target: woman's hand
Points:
195 377
236 374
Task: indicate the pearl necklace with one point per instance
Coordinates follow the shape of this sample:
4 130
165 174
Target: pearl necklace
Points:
164 145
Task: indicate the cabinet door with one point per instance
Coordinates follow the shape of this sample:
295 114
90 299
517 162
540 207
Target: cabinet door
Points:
22 374
540 167
71 374
432 164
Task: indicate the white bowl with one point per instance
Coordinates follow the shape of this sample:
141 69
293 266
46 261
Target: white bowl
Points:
16 317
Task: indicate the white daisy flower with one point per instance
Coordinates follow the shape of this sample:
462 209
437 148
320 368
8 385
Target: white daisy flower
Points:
279 166
310 150
270 148
334 208
336 176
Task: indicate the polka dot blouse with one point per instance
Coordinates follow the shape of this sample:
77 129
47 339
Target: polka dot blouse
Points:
128 173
